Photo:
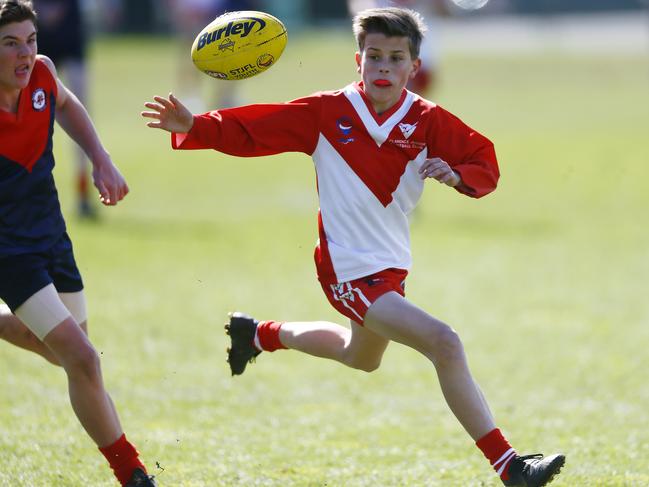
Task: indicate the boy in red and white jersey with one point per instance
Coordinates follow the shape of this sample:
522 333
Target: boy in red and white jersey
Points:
374 144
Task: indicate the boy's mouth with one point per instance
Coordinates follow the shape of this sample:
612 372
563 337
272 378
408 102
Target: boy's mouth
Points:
381 83
22 70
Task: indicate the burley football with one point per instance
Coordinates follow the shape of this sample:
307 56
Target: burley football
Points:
239 45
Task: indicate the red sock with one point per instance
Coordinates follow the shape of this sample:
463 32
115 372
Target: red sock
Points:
267 336
498 451
123 459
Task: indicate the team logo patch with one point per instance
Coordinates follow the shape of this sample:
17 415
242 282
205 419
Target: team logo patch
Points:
407 129
344 291
345 127
39 100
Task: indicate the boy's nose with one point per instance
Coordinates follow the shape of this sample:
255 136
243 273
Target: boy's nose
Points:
24 50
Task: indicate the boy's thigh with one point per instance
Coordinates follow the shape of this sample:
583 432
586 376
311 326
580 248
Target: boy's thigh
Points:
353 298
365 345
397 319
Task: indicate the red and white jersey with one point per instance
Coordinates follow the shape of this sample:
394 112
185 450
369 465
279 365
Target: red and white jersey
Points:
366 166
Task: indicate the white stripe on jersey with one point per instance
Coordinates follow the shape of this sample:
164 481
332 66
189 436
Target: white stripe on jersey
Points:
363 236
378 132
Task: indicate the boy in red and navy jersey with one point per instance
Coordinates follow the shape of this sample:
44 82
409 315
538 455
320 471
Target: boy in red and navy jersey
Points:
374 144
45 309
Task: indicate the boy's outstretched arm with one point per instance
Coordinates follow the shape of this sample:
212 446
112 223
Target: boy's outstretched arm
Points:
169 114
72 116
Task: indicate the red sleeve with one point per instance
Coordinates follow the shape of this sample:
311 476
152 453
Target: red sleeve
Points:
256 130
468 152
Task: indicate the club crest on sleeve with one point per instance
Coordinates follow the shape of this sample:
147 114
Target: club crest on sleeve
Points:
39 100
345 127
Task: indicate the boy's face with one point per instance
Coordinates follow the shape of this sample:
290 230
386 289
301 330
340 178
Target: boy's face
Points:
17 54
386 67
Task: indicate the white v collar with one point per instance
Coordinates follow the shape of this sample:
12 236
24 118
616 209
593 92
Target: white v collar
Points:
378 132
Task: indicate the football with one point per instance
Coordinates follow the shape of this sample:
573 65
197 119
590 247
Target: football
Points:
238 45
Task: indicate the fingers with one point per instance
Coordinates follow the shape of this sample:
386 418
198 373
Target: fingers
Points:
160 107
154 106
440 170
450 179
112 196
434 168
164 102
111 190
177 103
150 115
157 124
104 195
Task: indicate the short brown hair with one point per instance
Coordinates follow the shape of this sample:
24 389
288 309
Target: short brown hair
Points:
392 22
16 11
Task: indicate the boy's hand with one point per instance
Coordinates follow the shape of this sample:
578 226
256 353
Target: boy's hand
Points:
108 180
438 169
170 114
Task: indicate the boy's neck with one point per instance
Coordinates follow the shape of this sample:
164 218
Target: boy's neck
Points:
9 100
384 113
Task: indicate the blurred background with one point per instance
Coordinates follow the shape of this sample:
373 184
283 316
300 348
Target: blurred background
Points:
507 24
147 16
500 27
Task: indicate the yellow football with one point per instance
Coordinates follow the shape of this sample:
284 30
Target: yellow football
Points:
238 45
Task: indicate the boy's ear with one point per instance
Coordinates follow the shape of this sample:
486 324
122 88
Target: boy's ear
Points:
358 62
416 65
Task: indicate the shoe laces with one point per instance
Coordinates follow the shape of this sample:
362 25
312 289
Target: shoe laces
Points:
535 456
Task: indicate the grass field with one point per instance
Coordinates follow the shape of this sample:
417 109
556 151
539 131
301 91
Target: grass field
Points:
546 281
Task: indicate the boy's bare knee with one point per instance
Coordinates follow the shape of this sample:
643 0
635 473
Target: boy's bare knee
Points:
370 366
362 363
445 347
83 362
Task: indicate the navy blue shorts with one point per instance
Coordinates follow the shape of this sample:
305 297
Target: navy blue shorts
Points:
21 276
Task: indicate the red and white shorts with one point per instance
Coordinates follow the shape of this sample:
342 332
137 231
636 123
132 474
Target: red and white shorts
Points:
353 298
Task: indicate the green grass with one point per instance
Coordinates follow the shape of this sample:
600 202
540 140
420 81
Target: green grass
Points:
546 281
